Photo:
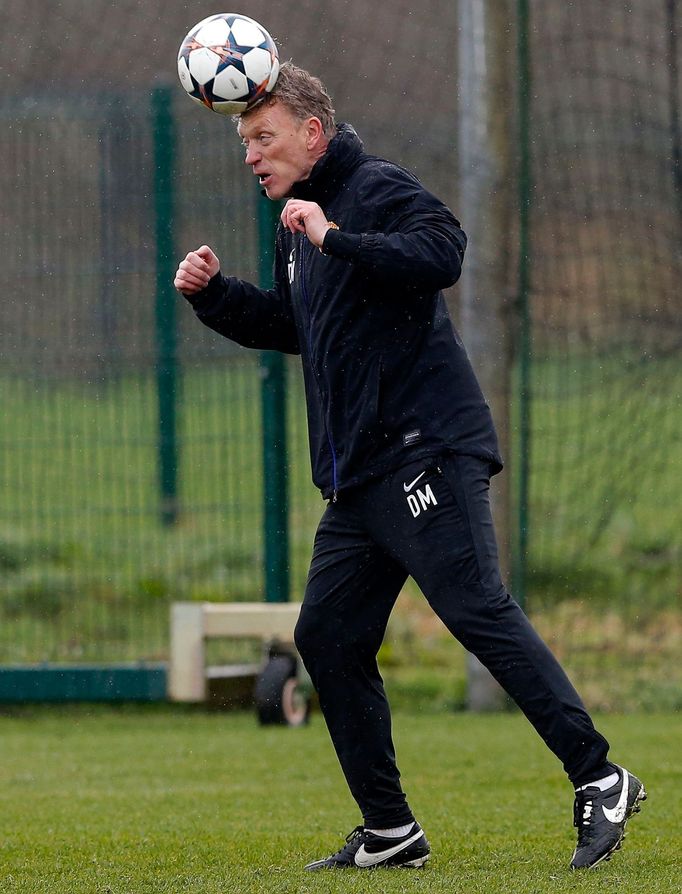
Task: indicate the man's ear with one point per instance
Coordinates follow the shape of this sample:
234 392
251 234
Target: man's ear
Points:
314 133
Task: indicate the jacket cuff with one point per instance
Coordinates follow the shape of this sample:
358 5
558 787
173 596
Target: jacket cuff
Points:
214 285
340 244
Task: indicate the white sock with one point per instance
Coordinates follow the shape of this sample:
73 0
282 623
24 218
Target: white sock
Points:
601 784
397 832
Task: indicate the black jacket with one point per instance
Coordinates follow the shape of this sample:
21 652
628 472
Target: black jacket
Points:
387 378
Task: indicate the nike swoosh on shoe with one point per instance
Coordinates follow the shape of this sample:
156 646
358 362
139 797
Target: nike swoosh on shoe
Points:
616 814
364 859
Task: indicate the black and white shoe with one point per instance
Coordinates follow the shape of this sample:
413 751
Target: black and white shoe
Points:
600 817
365 850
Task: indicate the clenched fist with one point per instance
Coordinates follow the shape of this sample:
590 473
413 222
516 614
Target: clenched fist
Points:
305 217
196 270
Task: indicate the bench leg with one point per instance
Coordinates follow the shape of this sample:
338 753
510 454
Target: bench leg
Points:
186 670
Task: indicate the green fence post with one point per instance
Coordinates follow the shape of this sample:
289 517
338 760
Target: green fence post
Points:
672 55
166 301
273 400
520 550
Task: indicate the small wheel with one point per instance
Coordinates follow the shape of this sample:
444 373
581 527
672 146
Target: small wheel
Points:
277 697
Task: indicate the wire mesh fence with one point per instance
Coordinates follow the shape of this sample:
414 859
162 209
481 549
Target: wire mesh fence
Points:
605 561
89 565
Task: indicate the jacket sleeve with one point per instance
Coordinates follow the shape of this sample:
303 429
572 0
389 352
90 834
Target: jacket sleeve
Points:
252 317
416 242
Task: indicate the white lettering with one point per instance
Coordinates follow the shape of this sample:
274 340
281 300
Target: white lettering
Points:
421 501
427 497
413 504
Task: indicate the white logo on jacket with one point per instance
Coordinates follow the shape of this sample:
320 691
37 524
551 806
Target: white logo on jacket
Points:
291 266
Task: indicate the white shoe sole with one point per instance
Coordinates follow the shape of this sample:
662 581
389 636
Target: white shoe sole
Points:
414 864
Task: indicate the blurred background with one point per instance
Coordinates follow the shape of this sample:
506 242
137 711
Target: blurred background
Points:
132 444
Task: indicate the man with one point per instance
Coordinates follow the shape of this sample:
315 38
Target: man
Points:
402 447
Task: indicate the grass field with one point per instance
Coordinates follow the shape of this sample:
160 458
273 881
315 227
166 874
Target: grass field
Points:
87 572
131 801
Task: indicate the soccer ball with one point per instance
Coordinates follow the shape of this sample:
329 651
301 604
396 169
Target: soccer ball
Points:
228 62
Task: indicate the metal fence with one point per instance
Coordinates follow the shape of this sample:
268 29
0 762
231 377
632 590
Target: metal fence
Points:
132 438
604 561
132 469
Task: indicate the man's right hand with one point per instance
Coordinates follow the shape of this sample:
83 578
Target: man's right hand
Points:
196 270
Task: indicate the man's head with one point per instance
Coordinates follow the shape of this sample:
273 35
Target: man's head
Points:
286 133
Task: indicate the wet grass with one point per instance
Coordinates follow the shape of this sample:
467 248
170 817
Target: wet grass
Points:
130 801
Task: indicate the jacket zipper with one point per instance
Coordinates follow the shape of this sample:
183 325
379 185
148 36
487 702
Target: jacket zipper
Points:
306 301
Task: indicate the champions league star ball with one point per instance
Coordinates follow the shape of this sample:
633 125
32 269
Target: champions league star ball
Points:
228 62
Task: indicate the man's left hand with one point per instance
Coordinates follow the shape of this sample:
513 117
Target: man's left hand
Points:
306 217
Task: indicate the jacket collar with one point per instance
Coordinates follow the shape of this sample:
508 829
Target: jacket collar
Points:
343 153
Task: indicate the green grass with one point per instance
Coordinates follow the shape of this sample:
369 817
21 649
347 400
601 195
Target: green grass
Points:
79 501
606 456
87 572
131 801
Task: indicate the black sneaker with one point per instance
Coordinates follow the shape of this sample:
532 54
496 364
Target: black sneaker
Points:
600 818
365 850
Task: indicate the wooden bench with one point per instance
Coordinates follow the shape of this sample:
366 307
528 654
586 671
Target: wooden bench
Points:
192 623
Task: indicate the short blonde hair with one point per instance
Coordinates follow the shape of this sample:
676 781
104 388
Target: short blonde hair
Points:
303 94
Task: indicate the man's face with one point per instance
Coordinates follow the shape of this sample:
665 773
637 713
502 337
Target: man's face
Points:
278 148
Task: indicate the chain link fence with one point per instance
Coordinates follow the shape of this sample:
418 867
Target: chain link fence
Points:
90 555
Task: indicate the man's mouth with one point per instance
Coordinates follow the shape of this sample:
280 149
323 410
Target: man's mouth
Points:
264 178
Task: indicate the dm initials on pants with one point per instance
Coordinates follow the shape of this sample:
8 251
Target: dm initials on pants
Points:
421 500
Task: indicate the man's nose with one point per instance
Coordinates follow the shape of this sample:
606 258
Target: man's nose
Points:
252 156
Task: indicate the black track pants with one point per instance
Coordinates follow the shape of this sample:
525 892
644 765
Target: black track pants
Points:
431 520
